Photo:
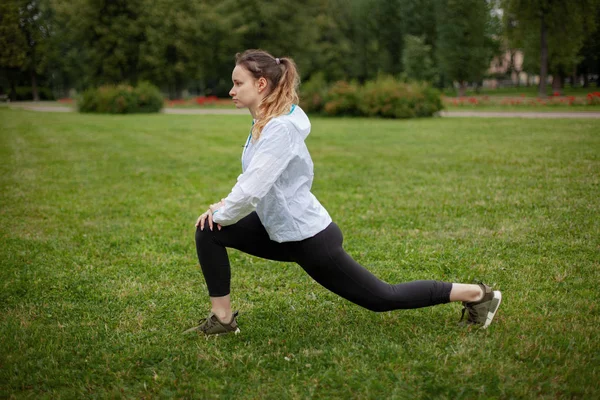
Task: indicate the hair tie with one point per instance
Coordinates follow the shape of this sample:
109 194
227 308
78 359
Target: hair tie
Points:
277 61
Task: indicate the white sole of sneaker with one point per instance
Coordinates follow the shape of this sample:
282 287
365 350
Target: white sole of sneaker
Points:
493 308
237 331
197 329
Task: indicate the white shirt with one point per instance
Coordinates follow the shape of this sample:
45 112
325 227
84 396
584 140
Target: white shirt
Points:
277 175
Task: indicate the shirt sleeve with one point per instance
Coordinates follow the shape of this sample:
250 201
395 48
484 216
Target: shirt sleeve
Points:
272 155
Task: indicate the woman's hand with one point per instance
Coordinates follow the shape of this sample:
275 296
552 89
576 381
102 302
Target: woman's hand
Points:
208 216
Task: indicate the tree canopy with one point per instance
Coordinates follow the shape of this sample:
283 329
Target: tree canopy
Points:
184 45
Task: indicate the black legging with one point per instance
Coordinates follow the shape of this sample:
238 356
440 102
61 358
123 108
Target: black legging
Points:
321 256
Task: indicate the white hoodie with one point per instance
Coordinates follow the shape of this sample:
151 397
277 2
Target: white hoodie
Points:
277 174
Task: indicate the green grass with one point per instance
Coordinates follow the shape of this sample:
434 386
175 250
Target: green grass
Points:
48 103
99 275
523 108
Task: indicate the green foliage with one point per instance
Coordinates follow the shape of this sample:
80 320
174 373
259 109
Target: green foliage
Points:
25 93
13 41
417 60
389 98
384 97
464 39
181 45
313 93
24 41
343 98
121 99
568 24
149 97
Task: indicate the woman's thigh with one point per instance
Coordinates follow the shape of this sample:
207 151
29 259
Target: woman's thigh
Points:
249 236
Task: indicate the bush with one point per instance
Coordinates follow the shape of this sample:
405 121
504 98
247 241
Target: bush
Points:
149 98
313 92
389 98
385 97
342 99
121 99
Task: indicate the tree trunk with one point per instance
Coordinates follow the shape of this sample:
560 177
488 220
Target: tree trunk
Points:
13 91
34 87
543 92
586 81
462 89
574 79
513 68
558 83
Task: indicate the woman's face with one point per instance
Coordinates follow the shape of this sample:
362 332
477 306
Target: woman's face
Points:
246 91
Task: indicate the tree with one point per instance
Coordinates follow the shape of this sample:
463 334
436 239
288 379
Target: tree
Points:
175 43
419 19
330 52
590 54
23 36
416 59
106 34
12 43
560 28
463 44
389 32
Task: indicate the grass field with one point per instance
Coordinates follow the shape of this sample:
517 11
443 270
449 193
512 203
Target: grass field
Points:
526 109
99 275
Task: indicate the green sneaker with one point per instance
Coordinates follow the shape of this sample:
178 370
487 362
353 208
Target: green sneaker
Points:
212 325
482 312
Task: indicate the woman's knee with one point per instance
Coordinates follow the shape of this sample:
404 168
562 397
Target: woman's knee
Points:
378 306
203 235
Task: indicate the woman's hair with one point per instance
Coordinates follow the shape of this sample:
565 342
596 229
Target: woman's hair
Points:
283 81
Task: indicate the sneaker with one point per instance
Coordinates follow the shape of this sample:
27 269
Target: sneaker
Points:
482 312
212 325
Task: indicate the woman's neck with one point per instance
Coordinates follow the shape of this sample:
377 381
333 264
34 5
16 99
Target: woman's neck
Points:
254 112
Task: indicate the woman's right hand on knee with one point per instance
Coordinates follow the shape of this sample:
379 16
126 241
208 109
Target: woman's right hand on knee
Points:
203 218
206 216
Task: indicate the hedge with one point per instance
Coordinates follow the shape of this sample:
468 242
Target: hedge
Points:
121 99
384 97
25 93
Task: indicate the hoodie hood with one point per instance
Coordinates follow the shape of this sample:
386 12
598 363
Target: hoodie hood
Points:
298 118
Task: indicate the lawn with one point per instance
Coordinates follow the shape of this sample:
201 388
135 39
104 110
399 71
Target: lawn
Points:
99 274
521 108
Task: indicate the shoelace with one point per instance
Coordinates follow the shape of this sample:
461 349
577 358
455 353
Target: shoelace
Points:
206 323
472 314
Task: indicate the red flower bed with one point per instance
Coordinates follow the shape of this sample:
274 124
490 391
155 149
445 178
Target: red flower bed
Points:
202 100
520 100
593 98
198 101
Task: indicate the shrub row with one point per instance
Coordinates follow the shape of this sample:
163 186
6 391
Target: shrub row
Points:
25 93
384 97
121 99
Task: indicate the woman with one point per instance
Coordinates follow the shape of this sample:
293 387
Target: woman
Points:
271 213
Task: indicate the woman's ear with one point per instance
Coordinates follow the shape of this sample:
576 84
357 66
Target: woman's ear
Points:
261 84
